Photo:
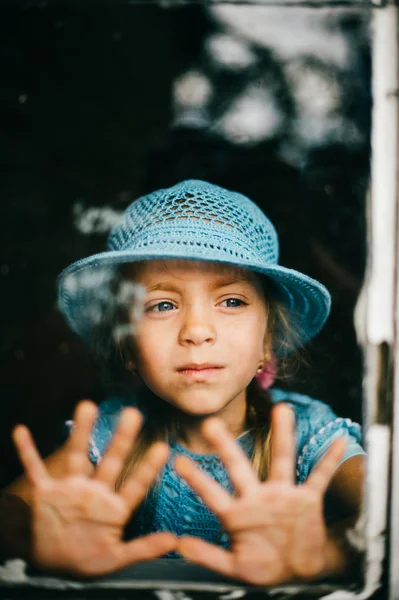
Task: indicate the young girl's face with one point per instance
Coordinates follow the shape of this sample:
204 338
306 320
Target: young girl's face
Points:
202 335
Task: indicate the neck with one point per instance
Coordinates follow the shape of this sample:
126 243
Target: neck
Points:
189 430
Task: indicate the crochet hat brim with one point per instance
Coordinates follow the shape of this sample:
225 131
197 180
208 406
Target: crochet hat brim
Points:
84 289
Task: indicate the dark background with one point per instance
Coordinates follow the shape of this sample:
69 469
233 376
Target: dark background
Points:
85 117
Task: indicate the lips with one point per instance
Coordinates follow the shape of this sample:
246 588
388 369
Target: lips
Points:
199 367
199 372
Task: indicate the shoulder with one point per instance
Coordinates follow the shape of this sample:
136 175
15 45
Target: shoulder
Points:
307 409
317 426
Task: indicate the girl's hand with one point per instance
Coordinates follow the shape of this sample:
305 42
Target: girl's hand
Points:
276 528
78 520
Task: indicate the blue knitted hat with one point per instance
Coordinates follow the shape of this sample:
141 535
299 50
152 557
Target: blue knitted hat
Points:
192 220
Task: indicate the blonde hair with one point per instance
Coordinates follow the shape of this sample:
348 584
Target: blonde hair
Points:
163 422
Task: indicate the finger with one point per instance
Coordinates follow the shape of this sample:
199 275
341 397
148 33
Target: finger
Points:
321 474
146 548
134 489
78 443
31 460
207 555
211 492
117 452
236 462
282 464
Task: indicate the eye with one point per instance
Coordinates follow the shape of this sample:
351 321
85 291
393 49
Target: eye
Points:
233 302
162 307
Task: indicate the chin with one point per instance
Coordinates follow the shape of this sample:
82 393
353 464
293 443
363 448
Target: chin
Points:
201 412
200 403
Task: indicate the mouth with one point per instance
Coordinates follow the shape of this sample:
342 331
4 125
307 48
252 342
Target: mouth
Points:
200 372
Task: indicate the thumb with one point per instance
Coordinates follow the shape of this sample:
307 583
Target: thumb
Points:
147 548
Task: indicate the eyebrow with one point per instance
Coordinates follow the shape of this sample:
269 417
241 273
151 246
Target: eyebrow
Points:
226 281
167 286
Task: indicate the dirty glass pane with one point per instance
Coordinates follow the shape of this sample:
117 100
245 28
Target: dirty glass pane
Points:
102 103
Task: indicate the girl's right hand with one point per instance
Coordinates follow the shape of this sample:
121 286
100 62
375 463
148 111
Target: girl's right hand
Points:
78 520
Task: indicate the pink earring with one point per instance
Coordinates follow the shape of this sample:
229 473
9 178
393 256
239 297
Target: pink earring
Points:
267 375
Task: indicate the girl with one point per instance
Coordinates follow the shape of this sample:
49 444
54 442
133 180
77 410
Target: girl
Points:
213 473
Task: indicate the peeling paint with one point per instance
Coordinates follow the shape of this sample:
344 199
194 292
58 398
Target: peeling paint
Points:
169 595
13 571
378 445
355 535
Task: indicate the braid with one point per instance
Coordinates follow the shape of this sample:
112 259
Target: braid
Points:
258 420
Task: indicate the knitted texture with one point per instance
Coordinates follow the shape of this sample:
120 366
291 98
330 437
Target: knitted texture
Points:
216 222
173 506
193 220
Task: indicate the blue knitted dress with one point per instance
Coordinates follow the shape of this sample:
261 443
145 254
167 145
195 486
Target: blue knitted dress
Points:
173 506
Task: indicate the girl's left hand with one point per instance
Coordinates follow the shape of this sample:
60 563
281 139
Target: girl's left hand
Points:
276 528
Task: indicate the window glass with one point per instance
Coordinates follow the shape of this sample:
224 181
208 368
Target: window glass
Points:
102 103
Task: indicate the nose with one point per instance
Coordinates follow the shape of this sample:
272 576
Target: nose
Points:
197 327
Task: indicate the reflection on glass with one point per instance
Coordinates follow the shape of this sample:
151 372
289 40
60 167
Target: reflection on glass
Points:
105 105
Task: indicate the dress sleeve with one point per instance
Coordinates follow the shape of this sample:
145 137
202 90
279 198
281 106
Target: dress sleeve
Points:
317 427
108 415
